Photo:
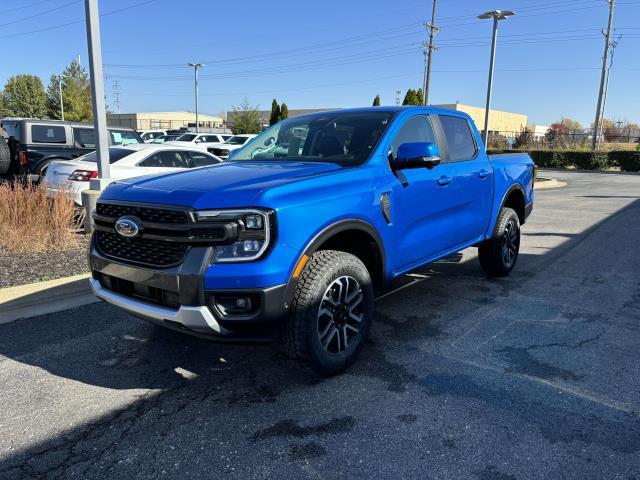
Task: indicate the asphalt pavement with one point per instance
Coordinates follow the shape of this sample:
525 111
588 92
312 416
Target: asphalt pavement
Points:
531 376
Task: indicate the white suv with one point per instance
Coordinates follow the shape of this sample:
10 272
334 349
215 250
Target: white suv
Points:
234 143
201 140
149 136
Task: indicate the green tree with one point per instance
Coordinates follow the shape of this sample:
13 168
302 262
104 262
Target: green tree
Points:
275 113
53 97
376 101
420 97
23 96
76 94
570 124
246 118
413 97
284 111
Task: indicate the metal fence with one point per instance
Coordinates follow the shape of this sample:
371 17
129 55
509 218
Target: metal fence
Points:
553 139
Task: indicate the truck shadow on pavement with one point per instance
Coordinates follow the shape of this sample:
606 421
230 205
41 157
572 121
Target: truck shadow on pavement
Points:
513 348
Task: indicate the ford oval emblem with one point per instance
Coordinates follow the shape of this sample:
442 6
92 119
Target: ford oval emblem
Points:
128 226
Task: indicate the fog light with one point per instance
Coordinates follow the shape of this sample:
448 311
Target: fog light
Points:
251 245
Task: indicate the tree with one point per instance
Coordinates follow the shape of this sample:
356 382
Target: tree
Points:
53 97
420 97
284 111
376 101
524 139
557 135
24 96
76 94
572 125
246 118
275 113
413 97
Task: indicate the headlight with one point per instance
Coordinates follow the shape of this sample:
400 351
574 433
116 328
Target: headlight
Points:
254 233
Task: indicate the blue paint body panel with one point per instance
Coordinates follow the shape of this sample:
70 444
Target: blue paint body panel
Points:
434 212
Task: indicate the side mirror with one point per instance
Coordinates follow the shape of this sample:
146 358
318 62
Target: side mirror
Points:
416 155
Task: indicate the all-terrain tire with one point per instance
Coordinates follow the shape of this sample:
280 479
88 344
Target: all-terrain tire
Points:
5 156
498 254
333 290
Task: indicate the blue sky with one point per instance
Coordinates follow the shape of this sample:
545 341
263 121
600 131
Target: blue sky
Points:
335 53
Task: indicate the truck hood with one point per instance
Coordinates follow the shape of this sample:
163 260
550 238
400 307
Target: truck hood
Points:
222 186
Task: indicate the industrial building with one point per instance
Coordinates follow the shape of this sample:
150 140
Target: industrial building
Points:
499 121
163 120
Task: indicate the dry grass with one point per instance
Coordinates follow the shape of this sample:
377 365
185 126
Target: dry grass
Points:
32 222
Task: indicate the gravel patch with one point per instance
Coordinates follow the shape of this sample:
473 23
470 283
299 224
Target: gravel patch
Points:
23 268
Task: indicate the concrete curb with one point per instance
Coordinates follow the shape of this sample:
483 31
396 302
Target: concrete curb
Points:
549 183
41 298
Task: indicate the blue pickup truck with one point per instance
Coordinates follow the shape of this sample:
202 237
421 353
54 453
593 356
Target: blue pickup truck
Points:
296 234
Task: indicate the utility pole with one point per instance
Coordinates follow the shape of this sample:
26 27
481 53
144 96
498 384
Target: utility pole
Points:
116 95
613 44
596 124
60 94
428 51
196 66
398 92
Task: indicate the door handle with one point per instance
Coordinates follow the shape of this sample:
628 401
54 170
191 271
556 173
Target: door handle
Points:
483 173
444 180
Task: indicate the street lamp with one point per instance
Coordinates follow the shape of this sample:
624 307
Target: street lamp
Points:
196 66
496 15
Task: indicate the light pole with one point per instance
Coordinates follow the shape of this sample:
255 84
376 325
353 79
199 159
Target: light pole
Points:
496 15
60 94
196 66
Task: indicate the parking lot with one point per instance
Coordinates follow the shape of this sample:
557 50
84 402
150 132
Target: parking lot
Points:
531 376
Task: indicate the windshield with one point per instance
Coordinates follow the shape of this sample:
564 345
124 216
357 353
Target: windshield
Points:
187 137
347 138
115 154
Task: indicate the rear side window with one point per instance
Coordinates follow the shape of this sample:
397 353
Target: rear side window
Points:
115 154
84 137
416 129
166 159
460 143
124 137
12 129
48 134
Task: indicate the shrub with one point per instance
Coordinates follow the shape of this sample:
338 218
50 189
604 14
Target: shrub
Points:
30 221
628 161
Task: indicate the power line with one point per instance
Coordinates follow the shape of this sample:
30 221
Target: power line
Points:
39 14
75 22
23 7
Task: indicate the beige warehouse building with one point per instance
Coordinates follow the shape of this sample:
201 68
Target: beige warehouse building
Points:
163 120
499 121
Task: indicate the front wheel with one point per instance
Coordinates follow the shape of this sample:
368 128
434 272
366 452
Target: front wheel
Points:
331 313
498 255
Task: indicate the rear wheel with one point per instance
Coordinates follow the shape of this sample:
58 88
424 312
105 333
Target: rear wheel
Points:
331 313
5 156
498 255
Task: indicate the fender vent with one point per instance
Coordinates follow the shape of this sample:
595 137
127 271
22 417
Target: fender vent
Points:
385 206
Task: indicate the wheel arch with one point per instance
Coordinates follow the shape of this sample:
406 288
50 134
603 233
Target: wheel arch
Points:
514 198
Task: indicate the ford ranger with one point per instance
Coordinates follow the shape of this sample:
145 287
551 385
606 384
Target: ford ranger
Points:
293 237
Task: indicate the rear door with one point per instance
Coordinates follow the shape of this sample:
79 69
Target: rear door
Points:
165 161
472 189
422 200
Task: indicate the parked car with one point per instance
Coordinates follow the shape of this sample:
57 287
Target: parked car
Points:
234 143
313 218
149 135
125 162
201 140
36 143
165 138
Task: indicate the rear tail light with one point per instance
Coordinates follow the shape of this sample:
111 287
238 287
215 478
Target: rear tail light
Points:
83 175
22 158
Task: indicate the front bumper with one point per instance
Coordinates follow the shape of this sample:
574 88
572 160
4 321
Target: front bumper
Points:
192 309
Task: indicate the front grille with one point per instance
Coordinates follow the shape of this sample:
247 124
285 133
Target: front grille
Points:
144 251
158 296
146 214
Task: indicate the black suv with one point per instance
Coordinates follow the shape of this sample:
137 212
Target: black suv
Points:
35 143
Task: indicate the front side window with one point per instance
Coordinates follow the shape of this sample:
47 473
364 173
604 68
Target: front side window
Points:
346 138
124 137
416 129
460 143
187 137
166 159
202 159
48 134
237 140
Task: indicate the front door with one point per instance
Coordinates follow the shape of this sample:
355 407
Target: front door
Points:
422 200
